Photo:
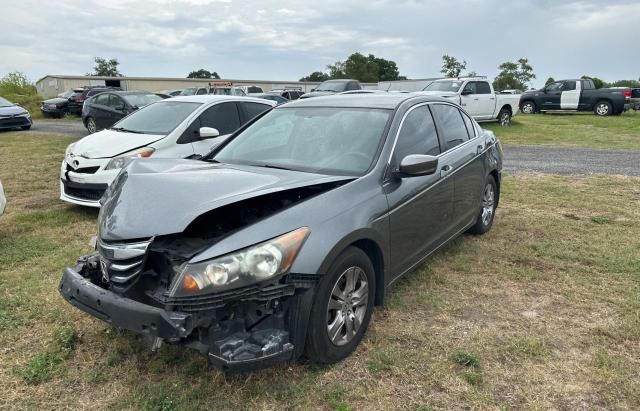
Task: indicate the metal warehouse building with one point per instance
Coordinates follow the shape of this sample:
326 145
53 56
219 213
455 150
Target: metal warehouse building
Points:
52 85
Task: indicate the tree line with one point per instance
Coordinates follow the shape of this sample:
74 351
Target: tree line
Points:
371 69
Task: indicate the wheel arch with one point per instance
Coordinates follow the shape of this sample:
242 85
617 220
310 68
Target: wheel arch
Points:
496 178
371 245
600 99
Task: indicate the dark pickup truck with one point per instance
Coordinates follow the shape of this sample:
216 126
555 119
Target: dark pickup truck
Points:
576 95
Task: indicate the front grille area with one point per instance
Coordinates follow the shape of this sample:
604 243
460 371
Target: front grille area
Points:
83 170
84 192
122 263
14 121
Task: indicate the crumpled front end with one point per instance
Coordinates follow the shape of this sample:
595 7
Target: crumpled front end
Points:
127 286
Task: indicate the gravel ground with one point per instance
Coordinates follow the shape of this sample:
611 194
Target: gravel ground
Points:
66 127
556 160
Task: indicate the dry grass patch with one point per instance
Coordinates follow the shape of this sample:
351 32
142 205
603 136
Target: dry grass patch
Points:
542 312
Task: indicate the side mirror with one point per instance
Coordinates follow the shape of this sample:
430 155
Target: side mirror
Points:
208 132
466 92
418 165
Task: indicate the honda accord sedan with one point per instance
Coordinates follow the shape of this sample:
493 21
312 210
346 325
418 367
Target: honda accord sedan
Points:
280 242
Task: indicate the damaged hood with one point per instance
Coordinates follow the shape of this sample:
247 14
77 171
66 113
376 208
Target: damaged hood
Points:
109 143
153 197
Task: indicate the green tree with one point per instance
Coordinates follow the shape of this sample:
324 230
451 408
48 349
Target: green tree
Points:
451 67
549 81
625 83
316 76
16 83
596 81
367 69
105 67
202 73
514 75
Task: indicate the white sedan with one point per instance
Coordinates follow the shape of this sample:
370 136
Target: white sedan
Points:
177 127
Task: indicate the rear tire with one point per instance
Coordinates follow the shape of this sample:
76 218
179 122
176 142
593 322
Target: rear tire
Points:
488 206
91 125
528 107
603 108
340 308
504 117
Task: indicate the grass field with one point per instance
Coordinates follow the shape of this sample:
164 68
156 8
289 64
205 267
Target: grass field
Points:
572 130
542 312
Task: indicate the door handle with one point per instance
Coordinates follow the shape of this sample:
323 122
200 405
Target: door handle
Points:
479 149
445 170
475 99
492 98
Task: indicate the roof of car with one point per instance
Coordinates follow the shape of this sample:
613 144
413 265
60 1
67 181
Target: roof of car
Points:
212 98
129 92
366 100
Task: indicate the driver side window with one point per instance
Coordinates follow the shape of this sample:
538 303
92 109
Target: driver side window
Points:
417 135
470 88
555 86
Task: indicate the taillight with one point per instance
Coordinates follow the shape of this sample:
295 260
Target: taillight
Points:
79 99
627 93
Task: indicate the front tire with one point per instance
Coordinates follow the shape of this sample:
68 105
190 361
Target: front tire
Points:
25 127
528 107
602 108
342 308
487 207
92 127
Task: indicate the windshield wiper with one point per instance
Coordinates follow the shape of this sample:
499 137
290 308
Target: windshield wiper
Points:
126 130
272 166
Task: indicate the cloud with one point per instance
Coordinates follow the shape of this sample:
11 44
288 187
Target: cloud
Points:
286 39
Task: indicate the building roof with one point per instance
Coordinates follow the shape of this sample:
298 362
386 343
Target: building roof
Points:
198 80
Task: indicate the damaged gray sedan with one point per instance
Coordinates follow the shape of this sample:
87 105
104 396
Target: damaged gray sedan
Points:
280 242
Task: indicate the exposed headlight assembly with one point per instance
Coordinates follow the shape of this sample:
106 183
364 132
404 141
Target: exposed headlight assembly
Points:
124 160
241 268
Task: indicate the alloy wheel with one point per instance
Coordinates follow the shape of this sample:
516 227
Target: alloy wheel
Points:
527 108
505 119
488 200
347 305
602 109
91 125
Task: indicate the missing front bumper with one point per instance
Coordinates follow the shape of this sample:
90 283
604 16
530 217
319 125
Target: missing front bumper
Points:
234 343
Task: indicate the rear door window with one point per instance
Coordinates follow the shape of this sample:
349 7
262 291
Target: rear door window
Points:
482 87
450 125
223 116
102 99
569 85
254 109
418 135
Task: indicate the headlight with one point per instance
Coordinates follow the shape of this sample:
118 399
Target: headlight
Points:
25 114
123 160
257 263
69 149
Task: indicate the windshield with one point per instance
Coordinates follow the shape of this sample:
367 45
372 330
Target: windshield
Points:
5 103
139 100
158 118
66 94
335 86
453 86
323 140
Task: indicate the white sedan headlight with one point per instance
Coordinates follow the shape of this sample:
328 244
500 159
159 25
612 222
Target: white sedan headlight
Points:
123 160
241 268
69 149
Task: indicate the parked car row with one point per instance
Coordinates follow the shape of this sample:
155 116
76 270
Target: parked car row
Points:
259 233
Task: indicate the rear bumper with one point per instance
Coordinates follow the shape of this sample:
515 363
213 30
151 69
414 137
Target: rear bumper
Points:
123 312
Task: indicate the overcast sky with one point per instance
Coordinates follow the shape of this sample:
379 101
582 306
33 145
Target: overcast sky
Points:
286 39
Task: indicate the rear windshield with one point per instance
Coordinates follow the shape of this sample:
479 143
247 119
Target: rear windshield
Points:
140 100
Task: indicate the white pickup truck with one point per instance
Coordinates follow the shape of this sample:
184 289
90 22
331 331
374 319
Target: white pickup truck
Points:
476 96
